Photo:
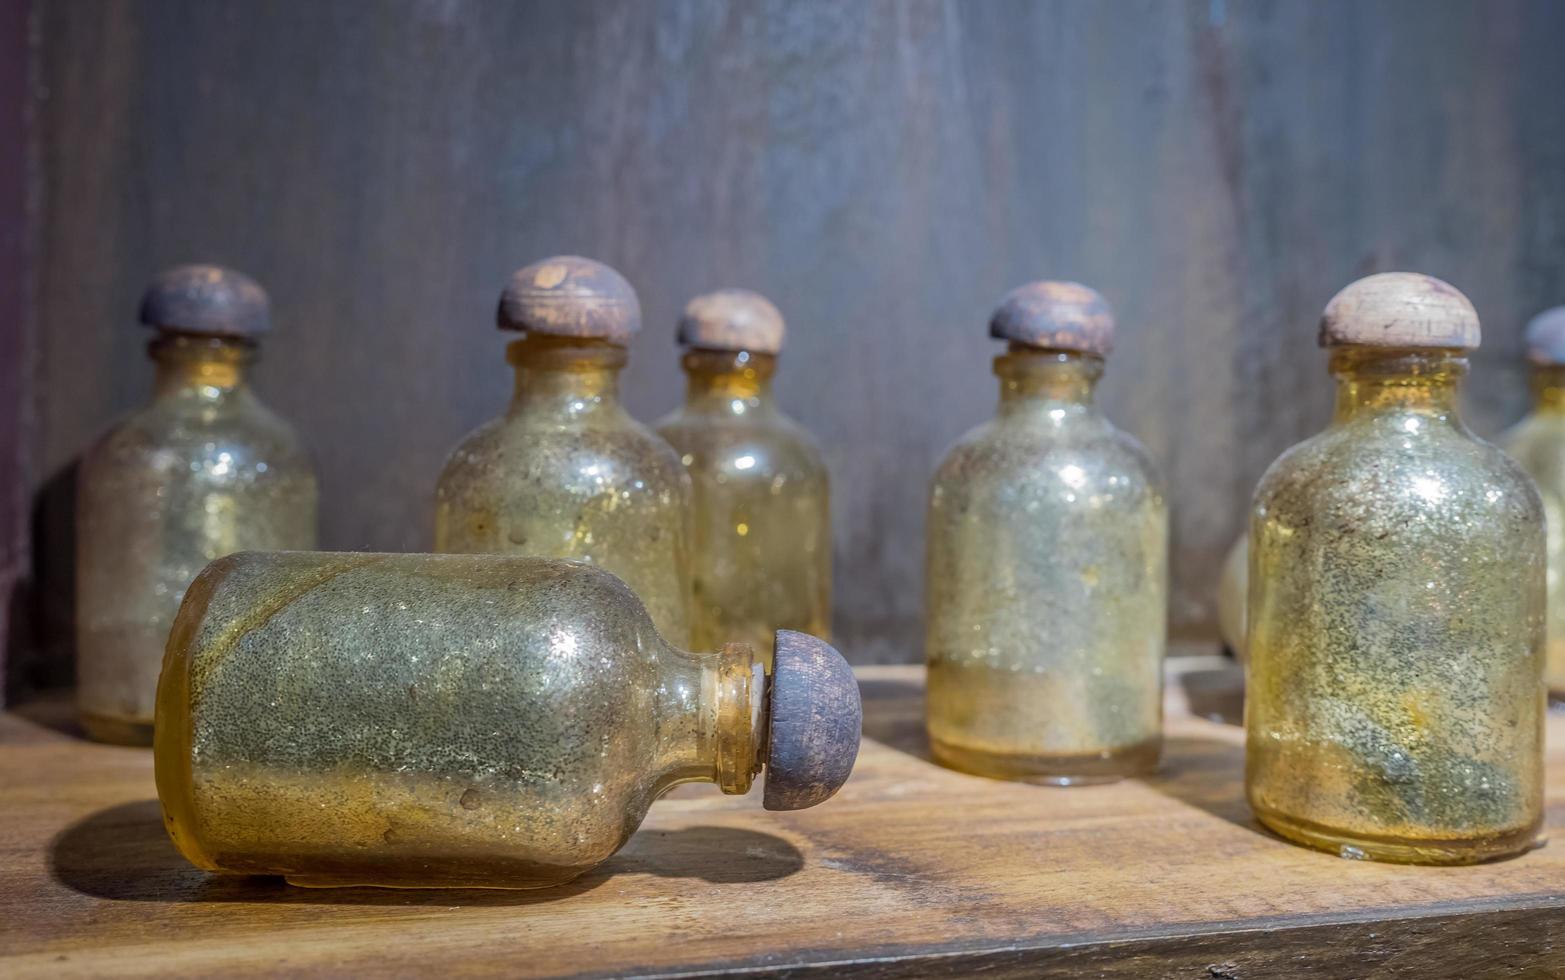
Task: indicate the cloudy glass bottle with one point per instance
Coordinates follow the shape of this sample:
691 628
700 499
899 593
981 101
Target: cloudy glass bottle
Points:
566 472
1395 701
1046 576
1233 596
1537 442
761 522
462 720
202 471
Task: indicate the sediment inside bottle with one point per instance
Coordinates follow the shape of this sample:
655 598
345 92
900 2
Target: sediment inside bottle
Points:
1046 586
203 471
1394 709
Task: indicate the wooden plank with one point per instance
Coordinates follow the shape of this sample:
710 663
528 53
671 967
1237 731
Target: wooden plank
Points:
884 170
913 870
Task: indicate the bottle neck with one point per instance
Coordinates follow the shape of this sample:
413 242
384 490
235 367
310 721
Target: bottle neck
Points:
712 719
566 376
1548 389
1372 381
1052 379
728 382
202 368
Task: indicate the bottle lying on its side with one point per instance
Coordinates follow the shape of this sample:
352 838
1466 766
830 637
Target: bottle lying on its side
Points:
462 720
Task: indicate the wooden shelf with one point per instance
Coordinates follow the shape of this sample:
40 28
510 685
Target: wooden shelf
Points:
911 871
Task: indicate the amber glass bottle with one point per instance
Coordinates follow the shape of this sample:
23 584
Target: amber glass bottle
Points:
462 720
566 472
1046 579
761 522
1395 701
203 471
1537 442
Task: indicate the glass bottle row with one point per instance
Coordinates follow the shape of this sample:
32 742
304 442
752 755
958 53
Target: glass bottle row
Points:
720 521
489 716
1047 550
1395 587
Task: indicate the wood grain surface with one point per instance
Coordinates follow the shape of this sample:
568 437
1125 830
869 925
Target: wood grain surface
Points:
910 871
883 170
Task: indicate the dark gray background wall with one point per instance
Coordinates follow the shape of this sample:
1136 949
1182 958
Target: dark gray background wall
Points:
883 170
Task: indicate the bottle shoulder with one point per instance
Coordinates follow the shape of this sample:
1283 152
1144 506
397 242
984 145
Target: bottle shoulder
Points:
1537 444
516 453
754 448
1091 461
246 441
1393 471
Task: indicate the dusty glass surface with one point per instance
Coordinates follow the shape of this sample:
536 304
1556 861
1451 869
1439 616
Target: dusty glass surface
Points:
1537 442
433 720
567 473
203 471
761 523
1045 586
1395 706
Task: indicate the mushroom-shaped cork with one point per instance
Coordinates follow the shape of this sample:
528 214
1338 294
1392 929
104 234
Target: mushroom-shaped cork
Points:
206 299
732 319
1546 337
569 296
816 717
1400 309
1055 316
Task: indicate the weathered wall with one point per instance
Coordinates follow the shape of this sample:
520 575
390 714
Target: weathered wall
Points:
883 170
16 333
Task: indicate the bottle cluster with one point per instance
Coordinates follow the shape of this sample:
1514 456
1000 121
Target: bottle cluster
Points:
613 609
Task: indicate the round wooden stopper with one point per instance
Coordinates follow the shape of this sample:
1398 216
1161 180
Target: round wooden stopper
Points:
732 319
1055 316
815 720
206 299
569 296
1546 337
1400 309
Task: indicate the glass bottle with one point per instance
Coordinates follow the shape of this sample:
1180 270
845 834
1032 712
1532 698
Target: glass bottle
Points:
1046 576
1537 442
203 471
1395 702
1233 593
462 720
566 472
761 528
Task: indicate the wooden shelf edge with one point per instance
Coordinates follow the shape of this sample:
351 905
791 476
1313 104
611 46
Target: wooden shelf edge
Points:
1493 941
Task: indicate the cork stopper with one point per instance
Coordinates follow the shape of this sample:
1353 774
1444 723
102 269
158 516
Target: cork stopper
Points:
569 296
1055 316
206 299
1546 338
1400 309
732 319
812 735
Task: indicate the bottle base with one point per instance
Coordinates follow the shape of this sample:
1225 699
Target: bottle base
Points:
116 731
1139 759
1397 850
453 884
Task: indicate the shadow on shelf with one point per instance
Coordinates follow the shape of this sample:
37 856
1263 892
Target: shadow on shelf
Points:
1208 774
55 711
894 715
41 619
1216 694
122 853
